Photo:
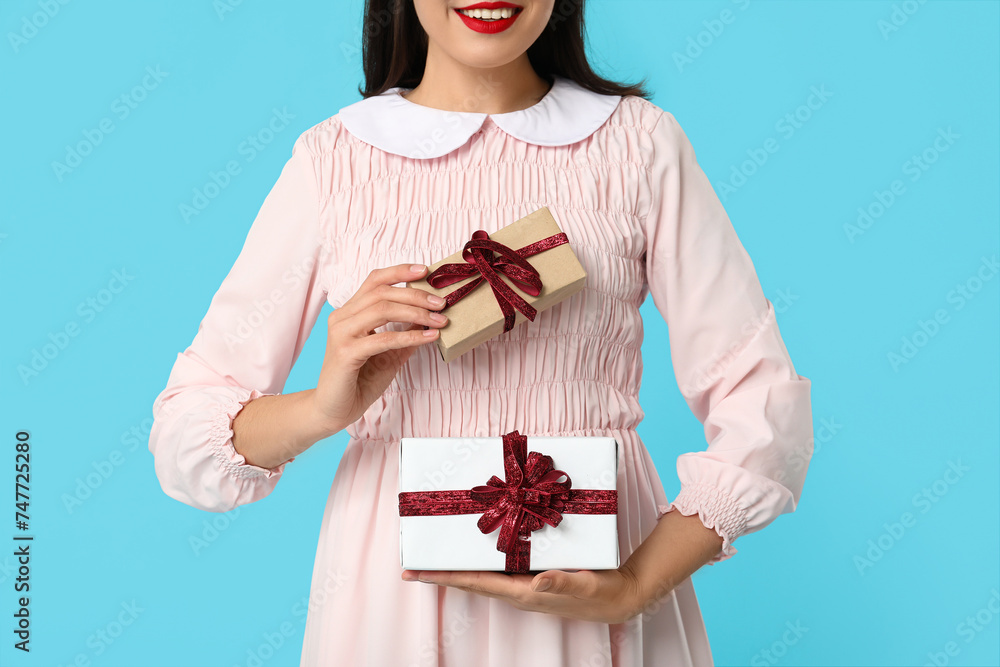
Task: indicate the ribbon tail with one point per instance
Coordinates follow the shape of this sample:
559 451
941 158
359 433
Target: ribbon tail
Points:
519 557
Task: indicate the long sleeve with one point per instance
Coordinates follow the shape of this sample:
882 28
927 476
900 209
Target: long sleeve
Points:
245 346
729 359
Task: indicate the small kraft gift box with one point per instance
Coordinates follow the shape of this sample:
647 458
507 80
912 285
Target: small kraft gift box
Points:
528 266
511 503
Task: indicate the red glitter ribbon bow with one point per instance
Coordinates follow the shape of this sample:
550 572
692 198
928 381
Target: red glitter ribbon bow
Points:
478 254
534 494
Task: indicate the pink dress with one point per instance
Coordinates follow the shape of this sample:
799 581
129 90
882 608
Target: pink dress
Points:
388 181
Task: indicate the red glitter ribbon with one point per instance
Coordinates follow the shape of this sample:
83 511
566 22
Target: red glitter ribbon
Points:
534 494
478 254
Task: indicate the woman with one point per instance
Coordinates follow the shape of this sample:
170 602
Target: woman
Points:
473 121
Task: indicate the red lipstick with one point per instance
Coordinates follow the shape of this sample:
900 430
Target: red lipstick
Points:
489 27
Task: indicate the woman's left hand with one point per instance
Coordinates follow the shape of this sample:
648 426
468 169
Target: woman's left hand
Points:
676 548
606 596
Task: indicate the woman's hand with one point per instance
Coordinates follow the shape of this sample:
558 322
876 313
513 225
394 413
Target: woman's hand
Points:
676 548
359 363
605 596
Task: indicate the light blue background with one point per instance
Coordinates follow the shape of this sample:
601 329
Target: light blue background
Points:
846 306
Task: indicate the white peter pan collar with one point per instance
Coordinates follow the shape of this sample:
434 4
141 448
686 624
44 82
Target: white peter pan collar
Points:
566 114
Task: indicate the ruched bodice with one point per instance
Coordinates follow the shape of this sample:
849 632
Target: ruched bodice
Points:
578 366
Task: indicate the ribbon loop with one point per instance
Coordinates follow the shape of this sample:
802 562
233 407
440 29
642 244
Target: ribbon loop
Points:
487 259
533 496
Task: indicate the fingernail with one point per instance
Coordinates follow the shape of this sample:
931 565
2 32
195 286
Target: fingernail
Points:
435 300
417 268
430 333
438 317
543 585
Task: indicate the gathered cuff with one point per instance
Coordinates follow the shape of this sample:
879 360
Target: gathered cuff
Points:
221 438
716 509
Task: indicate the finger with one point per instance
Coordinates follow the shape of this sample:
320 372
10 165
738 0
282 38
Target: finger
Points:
391 275
414 326
365 348
557 582
382 312
486 594
486 583
383 296
379 279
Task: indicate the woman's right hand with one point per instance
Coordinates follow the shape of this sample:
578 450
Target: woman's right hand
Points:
359 364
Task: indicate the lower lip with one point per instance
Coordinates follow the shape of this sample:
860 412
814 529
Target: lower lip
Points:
488 27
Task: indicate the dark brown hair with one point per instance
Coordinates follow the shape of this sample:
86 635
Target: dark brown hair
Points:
394 49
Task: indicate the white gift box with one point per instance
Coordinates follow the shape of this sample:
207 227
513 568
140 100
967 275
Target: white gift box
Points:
455 542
